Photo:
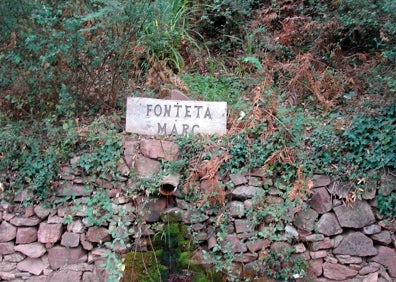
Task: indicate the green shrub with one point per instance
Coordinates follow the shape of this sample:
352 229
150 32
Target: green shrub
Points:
370 25
167 31
285 265
31 156
61 51
387 205
367 144
222 23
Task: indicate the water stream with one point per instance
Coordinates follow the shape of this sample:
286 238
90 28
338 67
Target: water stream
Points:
168 258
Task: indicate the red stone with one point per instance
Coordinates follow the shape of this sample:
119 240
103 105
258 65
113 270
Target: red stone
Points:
315 266
356 244
6 248
146 167
242 226
245 257
70 239
25 221
7 232
32 265
387 257
337 271
357 216
328 225
67 276
257 245
49 233
60 256
69 189
320 180
159 149
233 244
318 254
98 235
26 235
130 151
320 245
238 179
178 95
33 250
321 200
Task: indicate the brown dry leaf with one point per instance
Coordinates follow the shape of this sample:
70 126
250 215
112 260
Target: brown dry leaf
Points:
215 194
325 83
301 186
271 160
285 155
271 17
159 75
210 168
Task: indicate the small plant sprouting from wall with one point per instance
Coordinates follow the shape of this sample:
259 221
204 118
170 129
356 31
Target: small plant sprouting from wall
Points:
285 265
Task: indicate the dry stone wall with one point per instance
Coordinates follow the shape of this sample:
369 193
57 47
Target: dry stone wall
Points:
65 240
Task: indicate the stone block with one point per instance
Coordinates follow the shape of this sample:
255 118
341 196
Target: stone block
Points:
337 271
328 225
146 167
305 219
236 209
159 149
34 266
26 235
356 244
320 180
357 216
33 250
98 235
246 192
60 256
49 233
321 200
70 239
387 257
7 232
6 248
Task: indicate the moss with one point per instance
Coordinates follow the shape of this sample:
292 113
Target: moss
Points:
142 266
172 255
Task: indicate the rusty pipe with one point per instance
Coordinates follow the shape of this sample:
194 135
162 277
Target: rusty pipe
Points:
168 184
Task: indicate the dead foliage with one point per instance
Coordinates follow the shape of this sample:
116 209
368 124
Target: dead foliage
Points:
297 30
162 79
301 187
265 103
11 44
271 16
285 156
207 171
306 74
309 75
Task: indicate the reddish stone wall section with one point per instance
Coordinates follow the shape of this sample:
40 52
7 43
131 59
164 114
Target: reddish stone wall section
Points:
59 243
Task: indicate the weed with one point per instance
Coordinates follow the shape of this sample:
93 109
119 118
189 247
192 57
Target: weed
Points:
387 204
166 32
220 88
32 156
115 265
99 208
103 146
284 265
365 144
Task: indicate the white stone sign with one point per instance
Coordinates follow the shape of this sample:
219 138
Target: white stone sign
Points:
175 117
